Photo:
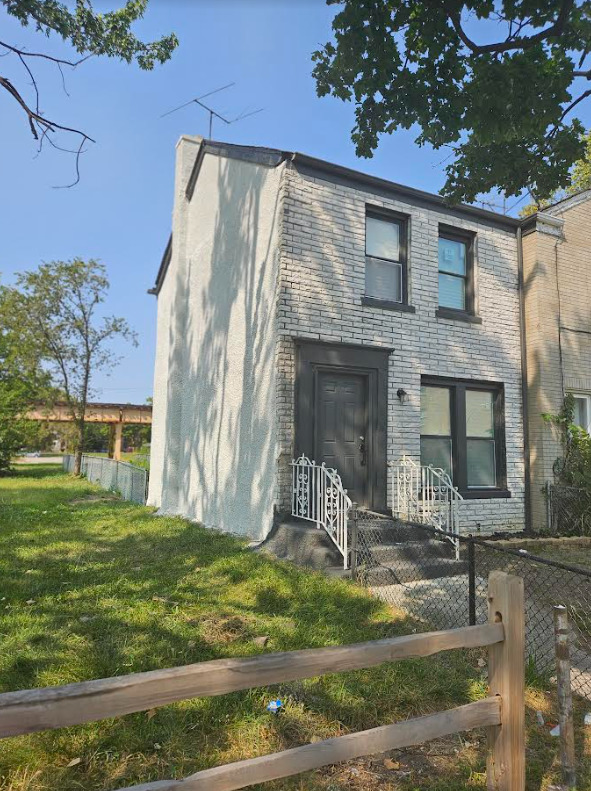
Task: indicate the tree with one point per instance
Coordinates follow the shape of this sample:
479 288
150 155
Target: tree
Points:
580 179
89 33
496 82
21 384
56 312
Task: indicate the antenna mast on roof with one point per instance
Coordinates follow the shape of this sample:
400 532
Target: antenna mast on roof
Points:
213 113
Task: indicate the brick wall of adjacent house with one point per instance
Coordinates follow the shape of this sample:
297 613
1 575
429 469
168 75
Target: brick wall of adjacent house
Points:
558 328
322 277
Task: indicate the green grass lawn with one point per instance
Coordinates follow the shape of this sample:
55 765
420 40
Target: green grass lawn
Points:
93 587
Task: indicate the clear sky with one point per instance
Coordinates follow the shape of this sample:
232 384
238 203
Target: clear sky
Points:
120 212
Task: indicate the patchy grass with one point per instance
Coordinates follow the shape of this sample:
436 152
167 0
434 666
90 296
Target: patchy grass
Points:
93 586
574 550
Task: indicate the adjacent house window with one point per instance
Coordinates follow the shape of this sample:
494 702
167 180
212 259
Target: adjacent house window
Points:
582 411
385 257
456 291
462 432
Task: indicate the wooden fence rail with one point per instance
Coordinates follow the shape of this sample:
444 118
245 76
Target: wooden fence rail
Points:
502 713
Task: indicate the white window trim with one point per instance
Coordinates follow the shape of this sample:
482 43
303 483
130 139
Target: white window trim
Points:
587 398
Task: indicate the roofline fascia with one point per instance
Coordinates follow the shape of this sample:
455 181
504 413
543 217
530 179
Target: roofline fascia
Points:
410 194
164 264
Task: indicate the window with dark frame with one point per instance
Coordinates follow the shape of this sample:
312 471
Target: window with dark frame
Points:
385 257
456 270
462 432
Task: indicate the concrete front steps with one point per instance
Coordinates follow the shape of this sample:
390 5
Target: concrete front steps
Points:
305 545
390 552
400 552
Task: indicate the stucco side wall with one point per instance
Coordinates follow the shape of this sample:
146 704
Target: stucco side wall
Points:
219 445
558 321
169 337
322 282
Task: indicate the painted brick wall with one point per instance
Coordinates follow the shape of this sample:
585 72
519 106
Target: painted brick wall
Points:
322 277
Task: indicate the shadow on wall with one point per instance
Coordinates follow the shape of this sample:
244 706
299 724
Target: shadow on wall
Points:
220 446
457 350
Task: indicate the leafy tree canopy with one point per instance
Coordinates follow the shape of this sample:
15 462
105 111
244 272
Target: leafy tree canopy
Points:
56 310
22 383
89 33
580 179
496 81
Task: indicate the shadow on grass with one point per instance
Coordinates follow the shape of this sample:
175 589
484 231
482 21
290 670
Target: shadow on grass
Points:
102 588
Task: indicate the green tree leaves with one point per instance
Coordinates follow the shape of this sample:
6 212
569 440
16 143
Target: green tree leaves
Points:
89 33
55 311
493 81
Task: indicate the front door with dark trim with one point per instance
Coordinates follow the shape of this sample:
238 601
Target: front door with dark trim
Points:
341 396
341 435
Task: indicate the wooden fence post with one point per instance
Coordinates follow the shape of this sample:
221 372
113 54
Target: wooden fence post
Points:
505 770
565 698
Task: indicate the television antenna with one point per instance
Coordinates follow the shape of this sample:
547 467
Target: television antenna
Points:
213 113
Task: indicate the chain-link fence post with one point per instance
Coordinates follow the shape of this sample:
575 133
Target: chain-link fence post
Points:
548 493
354 521
471 582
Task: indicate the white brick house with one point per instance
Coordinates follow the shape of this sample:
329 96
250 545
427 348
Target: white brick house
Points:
307 308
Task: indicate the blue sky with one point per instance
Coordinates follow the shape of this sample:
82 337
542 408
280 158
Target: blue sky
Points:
120 212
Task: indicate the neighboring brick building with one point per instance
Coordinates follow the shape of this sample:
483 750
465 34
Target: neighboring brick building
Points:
307 308
556 255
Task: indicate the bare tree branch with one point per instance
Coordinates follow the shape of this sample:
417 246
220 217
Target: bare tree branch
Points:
26 54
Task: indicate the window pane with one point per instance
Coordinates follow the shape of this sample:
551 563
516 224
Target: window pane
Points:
580 416
437 453
480 460
382 238
435 412
452 256
479 414
452 292
382 280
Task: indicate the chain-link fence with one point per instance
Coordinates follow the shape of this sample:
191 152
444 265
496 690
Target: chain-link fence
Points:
115 476
569 510
417 569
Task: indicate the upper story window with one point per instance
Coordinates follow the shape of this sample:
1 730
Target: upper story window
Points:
456 270
462 432
385 257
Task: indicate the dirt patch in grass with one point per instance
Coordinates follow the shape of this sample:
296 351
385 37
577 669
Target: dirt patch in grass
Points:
223 629
94 498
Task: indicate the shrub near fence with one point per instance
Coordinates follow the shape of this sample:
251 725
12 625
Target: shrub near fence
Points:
502 713
115 476
568 510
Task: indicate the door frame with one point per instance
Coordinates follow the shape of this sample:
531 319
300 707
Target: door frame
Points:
368 361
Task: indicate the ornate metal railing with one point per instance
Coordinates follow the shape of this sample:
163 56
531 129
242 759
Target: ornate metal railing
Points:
318 496
426 495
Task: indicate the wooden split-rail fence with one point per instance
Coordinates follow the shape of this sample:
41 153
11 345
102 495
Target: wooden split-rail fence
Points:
502 713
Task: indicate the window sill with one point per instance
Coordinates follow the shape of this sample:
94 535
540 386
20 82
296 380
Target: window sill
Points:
457 315
485 494
387 304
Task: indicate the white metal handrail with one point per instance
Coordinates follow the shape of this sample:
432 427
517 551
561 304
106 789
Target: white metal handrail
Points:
426 495
318 496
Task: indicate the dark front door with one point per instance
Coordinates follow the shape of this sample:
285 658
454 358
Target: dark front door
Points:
341 429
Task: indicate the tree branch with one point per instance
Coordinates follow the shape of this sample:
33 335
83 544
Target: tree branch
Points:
61 61
518 42
43 126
